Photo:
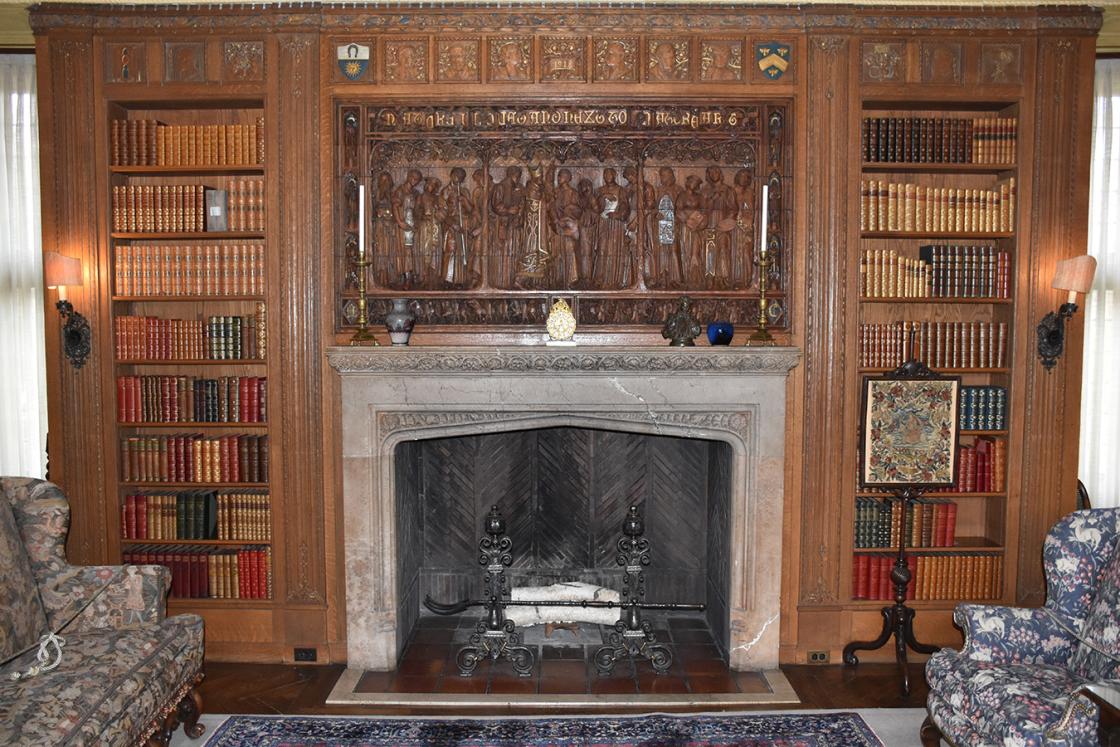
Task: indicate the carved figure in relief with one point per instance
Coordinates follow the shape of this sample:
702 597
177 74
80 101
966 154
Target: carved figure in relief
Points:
588 231
507 204
564 213
721 210
431 213
666 266
458 227
534 250
612 249
615 62
391 261
640 195
512 64
719 61
404 213
478 221
407 64
667 62
742 238
691 222
458 65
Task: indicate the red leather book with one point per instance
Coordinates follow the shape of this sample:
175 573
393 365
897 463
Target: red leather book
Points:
859 577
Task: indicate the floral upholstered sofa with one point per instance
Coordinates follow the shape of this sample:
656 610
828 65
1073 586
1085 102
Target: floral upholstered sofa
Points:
1024 675
127 673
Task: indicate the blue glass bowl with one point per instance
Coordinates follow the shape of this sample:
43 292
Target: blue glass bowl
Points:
720 333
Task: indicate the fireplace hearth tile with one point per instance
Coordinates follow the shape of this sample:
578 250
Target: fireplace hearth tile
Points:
563 652
752 682
464 685
420 683
375 682
660 684
715 683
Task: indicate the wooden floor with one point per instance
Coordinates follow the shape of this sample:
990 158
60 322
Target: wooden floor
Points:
288 689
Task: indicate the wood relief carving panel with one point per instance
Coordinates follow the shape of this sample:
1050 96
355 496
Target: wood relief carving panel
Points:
883 62
242 61
721 60
616 59
1001 64
184 62
126 62
470 207
941 62
668 59
563 58
510 58
406 60
458 60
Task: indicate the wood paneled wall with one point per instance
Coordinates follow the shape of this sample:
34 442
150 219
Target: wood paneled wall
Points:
285 56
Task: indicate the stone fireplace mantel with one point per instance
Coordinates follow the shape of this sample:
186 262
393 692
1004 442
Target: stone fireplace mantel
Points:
390 395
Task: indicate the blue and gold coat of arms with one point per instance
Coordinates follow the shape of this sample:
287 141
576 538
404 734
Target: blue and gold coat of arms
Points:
773 58
353 60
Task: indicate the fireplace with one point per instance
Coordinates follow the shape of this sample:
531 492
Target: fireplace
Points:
724 408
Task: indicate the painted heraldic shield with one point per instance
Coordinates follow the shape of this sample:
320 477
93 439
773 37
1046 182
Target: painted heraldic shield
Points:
773 59
353 60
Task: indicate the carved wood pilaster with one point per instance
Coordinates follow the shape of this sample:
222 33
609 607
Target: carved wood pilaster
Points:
1058 230
70 226
296 306
826 294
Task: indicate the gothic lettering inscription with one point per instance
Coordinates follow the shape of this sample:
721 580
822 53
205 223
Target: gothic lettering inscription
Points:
564 118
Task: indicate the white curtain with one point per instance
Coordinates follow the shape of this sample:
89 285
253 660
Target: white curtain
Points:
23 387
1100 395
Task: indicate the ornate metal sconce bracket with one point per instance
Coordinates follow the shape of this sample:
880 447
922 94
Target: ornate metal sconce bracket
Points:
75 334
1052 335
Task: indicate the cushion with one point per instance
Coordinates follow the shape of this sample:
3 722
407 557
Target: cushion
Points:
1005 703
22 620
108 688
1100 634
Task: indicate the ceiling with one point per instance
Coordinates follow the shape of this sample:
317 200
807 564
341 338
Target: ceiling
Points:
15 32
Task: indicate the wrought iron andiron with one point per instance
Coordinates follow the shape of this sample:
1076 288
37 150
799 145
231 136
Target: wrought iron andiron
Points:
633 636
495 636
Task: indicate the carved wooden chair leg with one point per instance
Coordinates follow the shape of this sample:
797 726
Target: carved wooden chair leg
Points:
189 710
161 737
930 734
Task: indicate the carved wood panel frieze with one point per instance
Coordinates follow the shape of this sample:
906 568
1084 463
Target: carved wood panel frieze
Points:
563 58
484 213
721 60
510 59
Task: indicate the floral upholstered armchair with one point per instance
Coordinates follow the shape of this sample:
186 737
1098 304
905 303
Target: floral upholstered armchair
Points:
126 674
1023 674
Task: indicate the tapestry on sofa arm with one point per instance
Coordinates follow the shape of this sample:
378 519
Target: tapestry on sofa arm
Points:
22 619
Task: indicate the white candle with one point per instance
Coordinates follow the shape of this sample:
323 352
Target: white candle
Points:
361 223
765 216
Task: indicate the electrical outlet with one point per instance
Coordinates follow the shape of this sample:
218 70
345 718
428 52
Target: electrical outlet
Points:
818 657
306 654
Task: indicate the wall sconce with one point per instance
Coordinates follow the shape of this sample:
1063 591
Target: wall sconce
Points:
1073 275
59 272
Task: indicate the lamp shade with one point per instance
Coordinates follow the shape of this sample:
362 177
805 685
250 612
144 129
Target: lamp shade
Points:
61 270
1076 274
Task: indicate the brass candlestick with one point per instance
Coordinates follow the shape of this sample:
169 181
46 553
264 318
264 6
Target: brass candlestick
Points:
761 334
362 335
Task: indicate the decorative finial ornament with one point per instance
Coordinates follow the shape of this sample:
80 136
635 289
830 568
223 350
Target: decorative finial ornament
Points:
681 328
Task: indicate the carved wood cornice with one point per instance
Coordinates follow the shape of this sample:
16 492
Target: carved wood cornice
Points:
394 17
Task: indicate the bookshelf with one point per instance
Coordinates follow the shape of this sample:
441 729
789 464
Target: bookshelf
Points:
190 364
938 193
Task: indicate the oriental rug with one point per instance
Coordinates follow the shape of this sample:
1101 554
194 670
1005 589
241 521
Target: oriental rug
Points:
839 729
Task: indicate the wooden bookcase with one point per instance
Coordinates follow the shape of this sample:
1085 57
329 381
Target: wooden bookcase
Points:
212 398
970 295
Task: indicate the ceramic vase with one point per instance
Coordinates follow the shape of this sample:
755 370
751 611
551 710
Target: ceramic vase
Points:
720 333
400 320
